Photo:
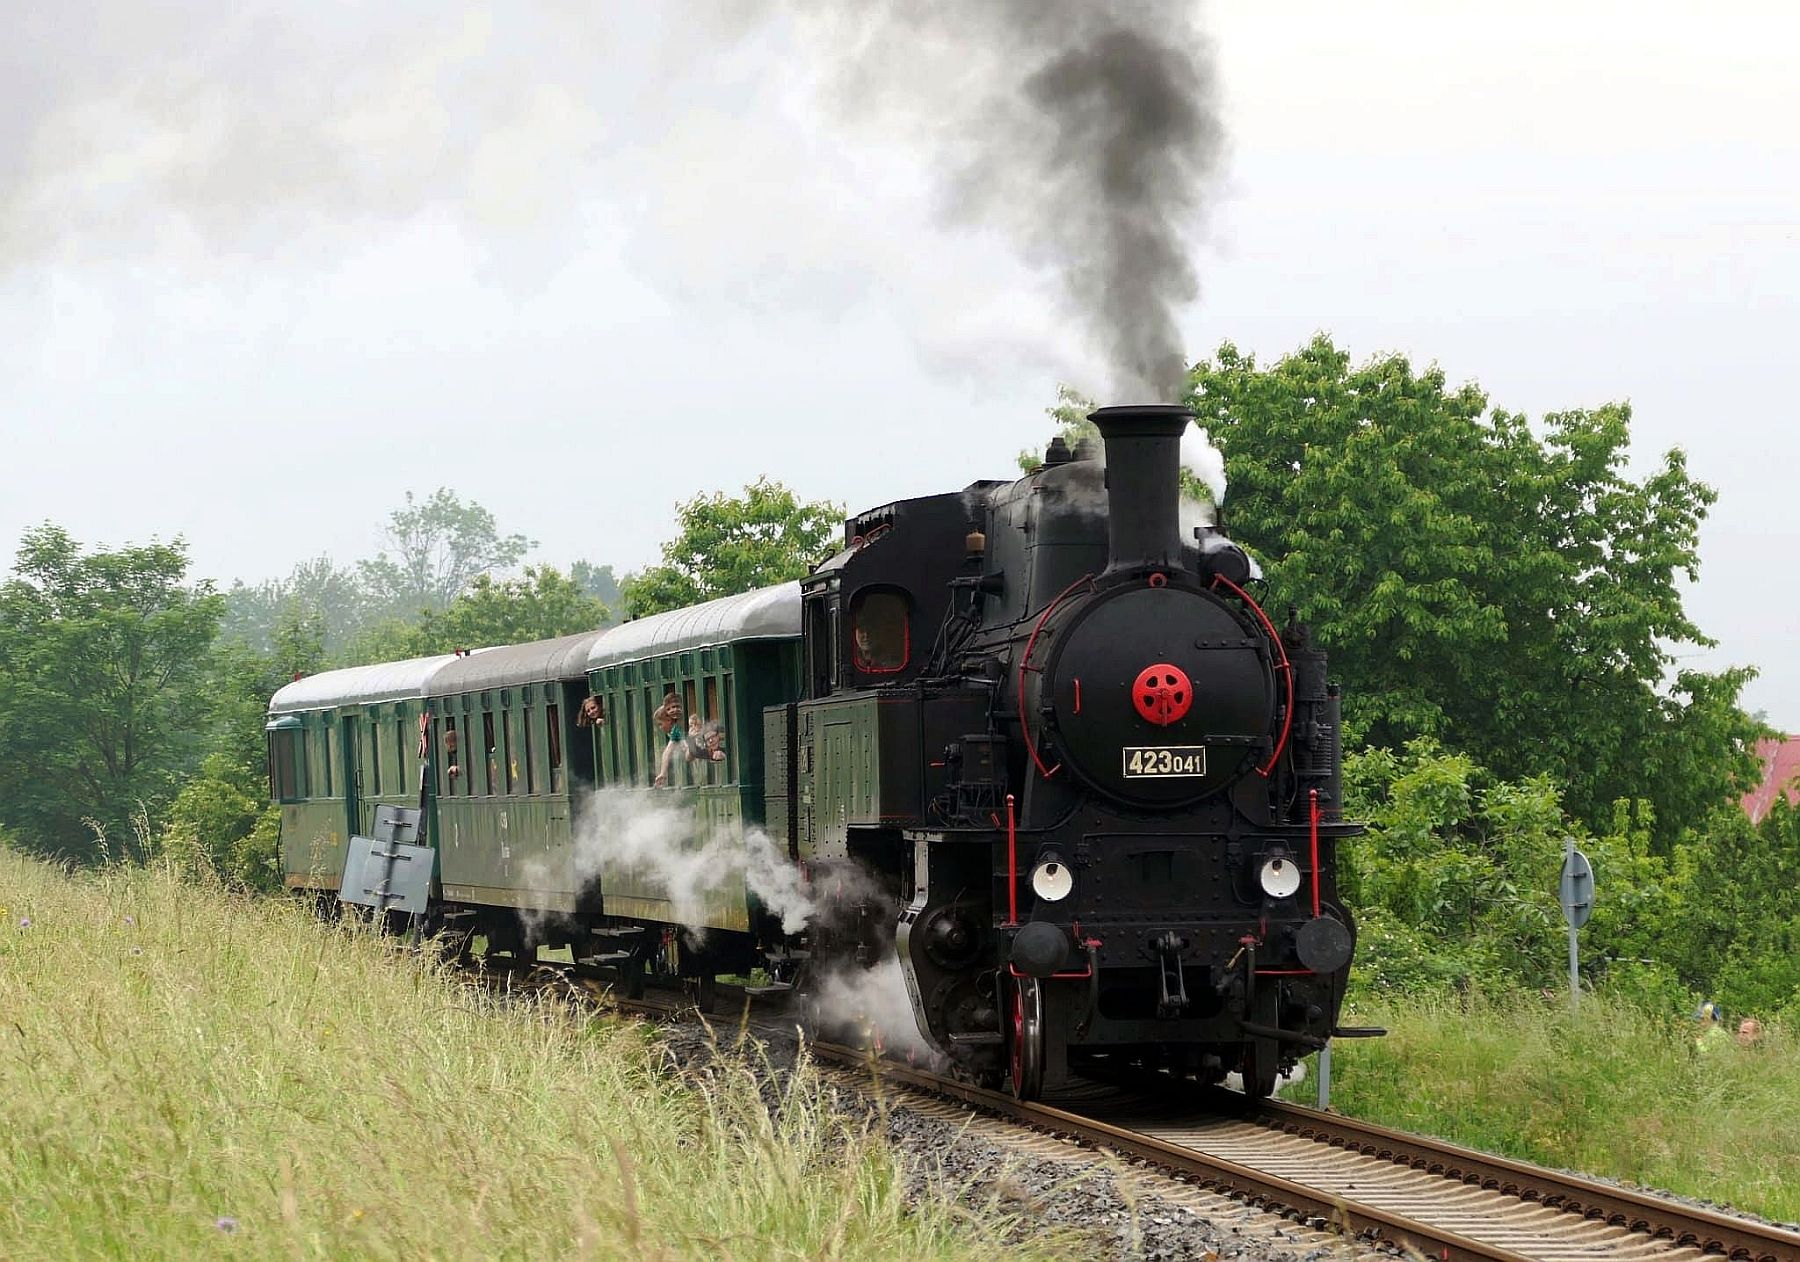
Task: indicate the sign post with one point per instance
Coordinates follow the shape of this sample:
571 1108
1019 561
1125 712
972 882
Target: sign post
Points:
1577 897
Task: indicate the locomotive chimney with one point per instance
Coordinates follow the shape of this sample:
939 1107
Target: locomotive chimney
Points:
1143 483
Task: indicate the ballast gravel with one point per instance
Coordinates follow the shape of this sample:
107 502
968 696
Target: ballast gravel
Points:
1040 1184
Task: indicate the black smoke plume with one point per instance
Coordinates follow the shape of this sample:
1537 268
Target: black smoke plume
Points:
1088 130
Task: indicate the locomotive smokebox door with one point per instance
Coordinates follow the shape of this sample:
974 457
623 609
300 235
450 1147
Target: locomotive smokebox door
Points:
1158 695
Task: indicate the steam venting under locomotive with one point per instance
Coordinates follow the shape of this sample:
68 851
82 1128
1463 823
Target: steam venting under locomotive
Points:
1098 785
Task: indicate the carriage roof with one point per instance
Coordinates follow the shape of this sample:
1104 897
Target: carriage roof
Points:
512 664
769 613
359 685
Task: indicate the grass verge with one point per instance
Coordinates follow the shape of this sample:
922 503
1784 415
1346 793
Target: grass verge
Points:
186 1072
1613 1091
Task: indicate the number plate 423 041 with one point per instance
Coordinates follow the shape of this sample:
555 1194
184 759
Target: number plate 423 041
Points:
1164 760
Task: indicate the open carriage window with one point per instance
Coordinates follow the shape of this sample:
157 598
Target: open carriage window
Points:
880 631
553 745
285 760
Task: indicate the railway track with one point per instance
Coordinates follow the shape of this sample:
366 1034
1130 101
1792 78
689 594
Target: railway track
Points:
1437 1199
1369 1182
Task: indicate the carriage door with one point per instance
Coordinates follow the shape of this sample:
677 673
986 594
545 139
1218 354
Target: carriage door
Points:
350 728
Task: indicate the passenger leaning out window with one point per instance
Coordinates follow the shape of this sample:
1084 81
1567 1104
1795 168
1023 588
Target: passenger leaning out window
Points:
667 718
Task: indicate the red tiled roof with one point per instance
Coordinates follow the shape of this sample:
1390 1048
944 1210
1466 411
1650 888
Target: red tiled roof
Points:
1781 764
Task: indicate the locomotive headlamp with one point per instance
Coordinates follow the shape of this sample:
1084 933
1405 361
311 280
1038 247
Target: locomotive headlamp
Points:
1279 877
1051 879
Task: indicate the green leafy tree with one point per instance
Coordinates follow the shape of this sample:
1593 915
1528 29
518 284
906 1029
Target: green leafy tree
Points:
1507 590
222 819
104 696
439 546
599 582
1512 594
333 596
1738 939
729 544
542 605
1455 883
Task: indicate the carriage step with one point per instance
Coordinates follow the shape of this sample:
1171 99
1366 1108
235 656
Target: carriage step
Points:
773 988
782 957
457 915
976 1036
617 931
605 958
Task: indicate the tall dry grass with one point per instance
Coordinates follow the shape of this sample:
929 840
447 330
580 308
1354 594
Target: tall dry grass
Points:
184 1072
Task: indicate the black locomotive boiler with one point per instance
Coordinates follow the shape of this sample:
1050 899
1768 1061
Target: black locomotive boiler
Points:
1100 786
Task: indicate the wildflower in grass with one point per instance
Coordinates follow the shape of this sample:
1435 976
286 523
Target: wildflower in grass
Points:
24 922
226 1225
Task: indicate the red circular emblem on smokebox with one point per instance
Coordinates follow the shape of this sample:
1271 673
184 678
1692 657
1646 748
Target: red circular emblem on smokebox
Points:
1162 693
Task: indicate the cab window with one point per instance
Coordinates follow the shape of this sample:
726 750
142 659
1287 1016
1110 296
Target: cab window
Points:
880 632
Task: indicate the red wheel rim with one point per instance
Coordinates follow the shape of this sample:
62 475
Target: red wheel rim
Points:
1163 694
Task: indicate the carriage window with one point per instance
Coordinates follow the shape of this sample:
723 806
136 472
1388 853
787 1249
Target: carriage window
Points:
553 745
879 632
818 653
283 782
488 778
400 752
452 771
628 751
731 757
374 757
506 758
530 770
328 759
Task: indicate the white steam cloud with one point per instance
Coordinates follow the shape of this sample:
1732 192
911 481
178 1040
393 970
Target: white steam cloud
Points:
654 838
1204 460
1207 464
871 1008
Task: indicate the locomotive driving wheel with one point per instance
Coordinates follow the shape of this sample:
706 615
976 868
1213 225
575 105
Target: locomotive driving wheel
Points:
1025 1038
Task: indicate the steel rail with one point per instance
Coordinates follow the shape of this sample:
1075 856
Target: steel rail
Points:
1217 1173
1640 1220
1658 1217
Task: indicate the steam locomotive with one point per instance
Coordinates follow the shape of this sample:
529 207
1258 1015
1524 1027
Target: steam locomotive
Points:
1025 737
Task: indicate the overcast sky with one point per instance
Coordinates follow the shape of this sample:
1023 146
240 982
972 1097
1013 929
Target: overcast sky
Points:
260 275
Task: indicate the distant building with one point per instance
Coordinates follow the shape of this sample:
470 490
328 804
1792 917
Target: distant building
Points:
1781 764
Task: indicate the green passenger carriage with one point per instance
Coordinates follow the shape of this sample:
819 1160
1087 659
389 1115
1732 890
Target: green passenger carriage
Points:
491 747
